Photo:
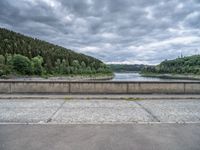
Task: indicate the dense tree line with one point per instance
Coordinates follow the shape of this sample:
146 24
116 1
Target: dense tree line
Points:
182 65
126 67
46 57
19 64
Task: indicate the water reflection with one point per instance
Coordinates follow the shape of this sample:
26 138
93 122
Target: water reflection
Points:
137 77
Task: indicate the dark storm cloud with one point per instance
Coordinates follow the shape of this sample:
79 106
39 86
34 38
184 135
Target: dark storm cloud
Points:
116 31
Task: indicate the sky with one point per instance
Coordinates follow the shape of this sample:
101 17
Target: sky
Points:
114 31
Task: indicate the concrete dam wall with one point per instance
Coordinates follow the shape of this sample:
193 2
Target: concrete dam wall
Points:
99 87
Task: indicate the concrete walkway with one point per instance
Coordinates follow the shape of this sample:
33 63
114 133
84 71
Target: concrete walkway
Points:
100 137
66 111
99 122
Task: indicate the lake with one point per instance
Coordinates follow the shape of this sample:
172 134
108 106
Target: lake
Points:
134 76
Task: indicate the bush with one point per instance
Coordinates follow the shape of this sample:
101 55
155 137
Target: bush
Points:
4 69
22 64
37 65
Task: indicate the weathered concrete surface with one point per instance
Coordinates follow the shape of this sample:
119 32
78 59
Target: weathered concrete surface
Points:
5 87
27 111
100 137
39 87
192 88
99 111
102 96
100 87
178 111
156 87
43 124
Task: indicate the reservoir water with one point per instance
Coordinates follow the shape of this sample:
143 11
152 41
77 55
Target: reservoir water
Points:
134 76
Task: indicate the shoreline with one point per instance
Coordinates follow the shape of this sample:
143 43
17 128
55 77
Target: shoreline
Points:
171 76
60 78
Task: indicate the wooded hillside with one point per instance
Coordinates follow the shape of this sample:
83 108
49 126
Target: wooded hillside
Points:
55 59
126 67
182 65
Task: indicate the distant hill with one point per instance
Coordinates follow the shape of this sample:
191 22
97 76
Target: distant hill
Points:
182 65
126 67
53 55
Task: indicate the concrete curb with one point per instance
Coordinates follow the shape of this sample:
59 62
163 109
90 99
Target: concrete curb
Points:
100 123
100 97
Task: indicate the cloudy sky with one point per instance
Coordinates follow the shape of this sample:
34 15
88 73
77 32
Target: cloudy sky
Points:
115 31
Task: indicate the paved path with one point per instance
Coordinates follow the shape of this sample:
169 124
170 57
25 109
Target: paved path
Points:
100 137
99 111
94 124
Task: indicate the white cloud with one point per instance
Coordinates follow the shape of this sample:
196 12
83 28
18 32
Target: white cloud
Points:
193 15
114 31
149 12
90 49
165 43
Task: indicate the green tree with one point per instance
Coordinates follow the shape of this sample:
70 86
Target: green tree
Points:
37 65
76 67
83 68
8 59
89 70
15 43
63 67
2 60
83 65
58 66
75 63
22 64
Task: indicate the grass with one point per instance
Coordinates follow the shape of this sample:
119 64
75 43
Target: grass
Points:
67 98
134 99
108 98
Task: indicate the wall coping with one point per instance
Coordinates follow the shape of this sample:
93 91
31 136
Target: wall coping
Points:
95 81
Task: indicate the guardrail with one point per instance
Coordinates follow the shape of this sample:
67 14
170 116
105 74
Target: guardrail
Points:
100 87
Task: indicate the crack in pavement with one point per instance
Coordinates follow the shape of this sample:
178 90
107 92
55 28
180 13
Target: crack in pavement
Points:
50 118
148 111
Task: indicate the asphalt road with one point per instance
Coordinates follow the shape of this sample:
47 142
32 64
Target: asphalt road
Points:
43 124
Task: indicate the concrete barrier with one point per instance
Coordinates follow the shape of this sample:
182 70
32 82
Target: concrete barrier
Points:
156 87
5 87
192 88
99 87
39 87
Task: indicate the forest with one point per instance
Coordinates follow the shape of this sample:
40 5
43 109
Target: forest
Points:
181 65
126 67
20 54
